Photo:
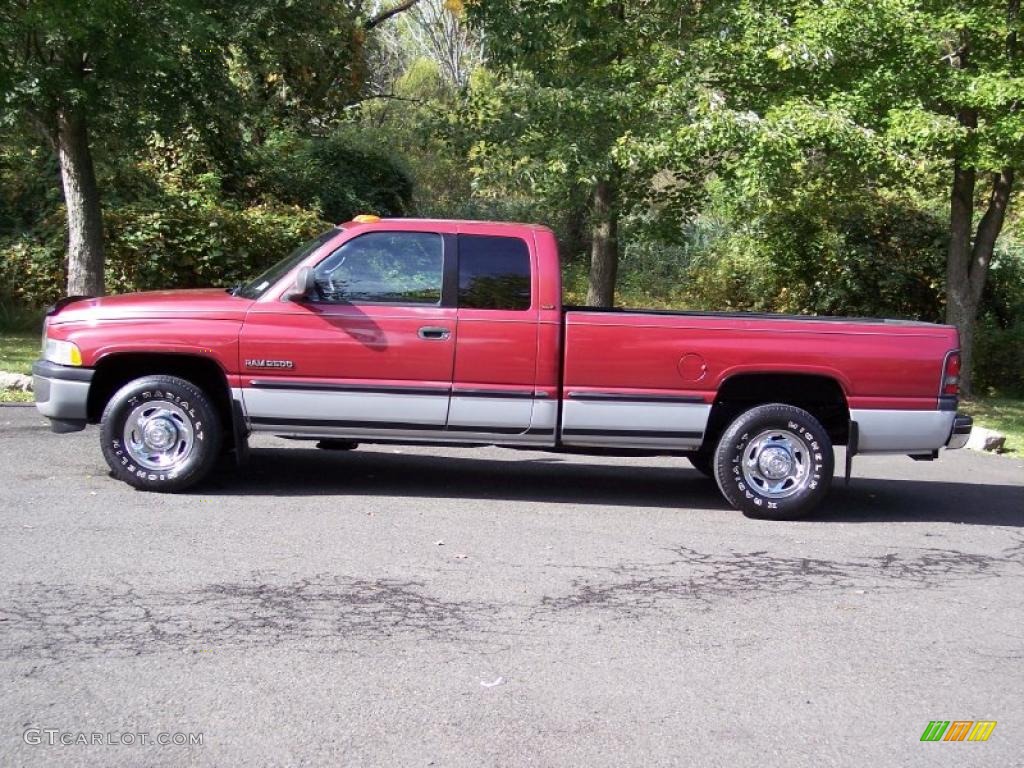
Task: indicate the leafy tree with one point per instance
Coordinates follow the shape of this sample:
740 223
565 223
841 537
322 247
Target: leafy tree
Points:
69 69
883 92
108 68
576 79
301 63
437 30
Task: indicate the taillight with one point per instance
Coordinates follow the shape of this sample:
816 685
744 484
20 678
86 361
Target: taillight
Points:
951 374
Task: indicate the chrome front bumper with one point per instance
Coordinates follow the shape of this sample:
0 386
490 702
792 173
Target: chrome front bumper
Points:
62 394
961 431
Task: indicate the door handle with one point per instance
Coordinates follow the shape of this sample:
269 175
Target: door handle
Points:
434 333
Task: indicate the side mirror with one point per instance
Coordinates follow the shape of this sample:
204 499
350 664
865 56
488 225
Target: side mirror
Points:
304 285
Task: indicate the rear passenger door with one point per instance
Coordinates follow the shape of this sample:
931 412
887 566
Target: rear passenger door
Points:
496 348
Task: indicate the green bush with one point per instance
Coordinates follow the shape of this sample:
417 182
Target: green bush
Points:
184 246
999 357
999 338
880 260
337 176
16 317
172 242
28 176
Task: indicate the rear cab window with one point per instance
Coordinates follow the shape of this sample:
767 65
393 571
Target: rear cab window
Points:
494 273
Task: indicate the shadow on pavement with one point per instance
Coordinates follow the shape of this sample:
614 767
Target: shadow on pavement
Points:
298 472
873 500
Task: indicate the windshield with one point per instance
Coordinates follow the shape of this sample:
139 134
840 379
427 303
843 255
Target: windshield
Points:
258 286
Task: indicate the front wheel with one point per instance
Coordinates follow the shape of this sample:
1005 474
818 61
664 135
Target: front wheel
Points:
774 462
703 462
160 433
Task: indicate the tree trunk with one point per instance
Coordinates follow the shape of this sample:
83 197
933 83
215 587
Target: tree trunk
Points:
604 247
577 236
966 264
959 309
82 198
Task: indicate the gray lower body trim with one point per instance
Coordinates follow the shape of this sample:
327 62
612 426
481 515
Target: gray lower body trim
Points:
401 434
395 416
267 406
544 420
61 394
630 424
483 412
891 431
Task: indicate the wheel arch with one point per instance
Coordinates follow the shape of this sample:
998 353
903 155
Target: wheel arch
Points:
115 370
820 395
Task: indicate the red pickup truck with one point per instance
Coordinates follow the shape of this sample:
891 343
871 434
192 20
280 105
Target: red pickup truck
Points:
454 332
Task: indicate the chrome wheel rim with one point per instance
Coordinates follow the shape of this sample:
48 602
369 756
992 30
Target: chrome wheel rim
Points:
159 436
777 463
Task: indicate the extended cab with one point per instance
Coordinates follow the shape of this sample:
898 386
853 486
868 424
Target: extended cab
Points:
442 332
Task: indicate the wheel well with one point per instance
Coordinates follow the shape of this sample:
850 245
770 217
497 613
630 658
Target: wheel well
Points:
820 396
115 371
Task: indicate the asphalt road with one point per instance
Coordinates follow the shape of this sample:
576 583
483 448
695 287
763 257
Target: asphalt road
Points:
416 606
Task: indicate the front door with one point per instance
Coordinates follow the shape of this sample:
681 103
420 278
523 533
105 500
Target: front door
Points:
370 353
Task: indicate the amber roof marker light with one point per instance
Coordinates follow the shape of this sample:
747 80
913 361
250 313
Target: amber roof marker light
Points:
366 218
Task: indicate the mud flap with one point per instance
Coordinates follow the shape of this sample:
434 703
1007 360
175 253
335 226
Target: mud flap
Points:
851 448
241 434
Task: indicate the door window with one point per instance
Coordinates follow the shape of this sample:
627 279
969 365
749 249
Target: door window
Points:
384 268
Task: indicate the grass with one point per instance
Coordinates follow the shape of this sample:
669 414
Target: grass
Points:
18 351
15 396
1004 414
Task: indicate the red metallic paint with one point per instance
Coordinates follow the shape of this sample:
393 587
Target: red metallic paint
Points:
203 322
878 365
348 343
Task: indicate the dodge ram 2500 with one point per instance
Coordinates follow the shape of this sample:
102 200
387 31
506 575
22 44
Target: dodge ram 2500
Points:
454 332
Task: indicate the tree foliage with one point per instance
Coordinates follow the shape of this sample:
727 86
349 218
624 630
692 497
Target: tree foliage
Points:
848 157
828 98
575 79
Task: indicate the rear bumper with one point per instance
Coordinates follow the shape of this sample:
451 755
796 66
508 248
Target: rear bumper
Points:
62 394
910 432
961 433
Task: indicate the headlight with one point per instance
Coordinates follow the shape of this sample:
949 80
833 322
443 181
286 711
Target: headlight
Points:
62 352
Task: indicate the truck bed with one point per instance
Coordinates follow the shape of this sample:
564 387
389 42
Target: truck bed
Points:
660 371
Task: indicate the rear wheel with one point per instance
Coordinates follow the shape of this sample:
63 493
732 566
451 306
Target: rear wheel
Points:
160 433
774 462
